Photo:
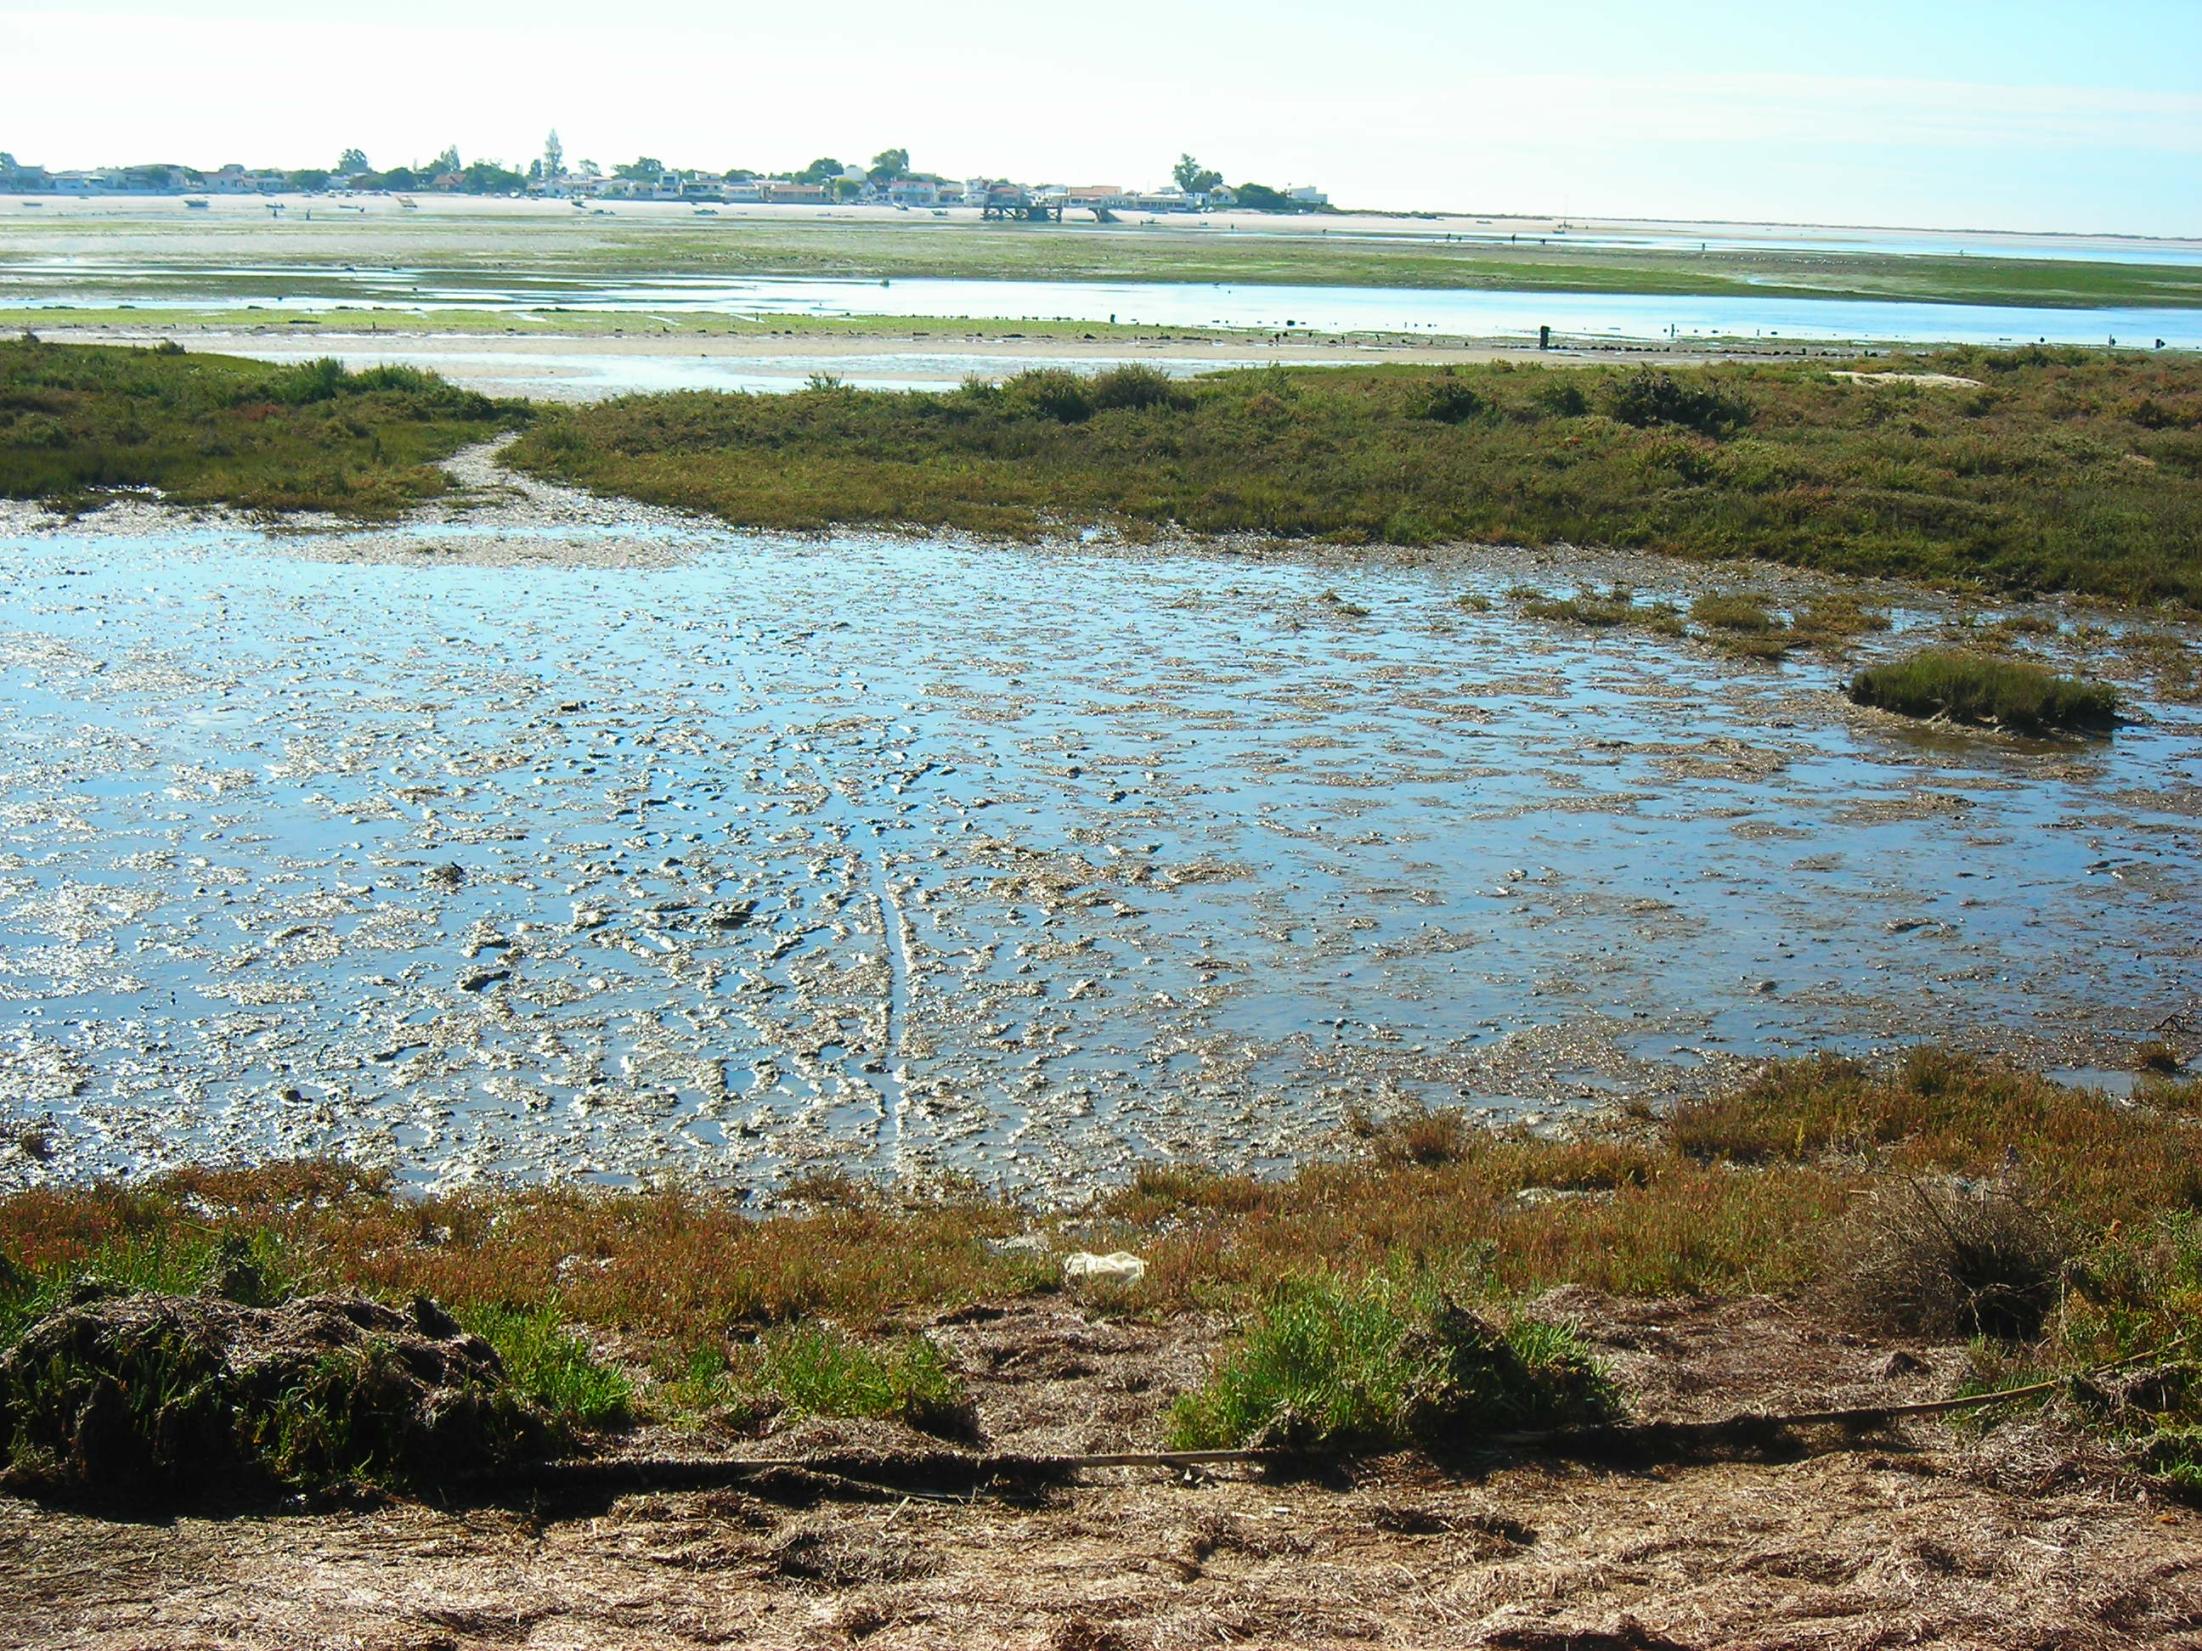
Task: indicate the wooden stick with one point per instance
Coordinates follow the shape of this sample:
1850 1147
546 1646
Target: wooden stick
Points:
891 1473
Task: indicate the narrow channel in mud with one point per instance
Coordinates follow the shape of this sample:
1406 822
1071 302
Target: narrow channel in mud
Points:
555 837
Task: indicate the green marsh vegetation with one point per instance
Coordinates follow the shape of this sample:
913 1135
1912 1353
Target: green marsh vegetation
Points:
77 422
1990 690
1743 624
2061 470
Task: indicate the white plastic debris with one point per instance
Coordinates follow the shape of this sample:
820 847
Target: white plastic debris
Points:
1122 1265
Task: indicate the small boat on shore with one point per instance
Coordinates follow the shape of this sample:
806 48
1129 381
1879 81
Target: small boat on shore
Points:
197 203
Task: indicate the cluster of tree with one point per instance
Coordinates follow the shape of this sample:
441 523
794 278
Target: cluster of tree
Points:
480 178
1196 179
1259 197
826 171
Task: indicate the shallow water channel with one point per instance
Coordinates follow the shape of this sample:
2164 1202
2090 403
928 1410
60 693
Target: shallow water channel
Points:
1471 313
580 841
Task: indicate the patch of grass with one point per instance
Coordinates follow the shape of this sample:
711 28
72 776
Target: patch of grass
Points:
2174 1455
2025 486
1420 1136
1981 689
1744 625
552 1367
1589 609
2088 1163
1737 611
1833 620
250 1265
1384 1362
1611 609
826 1372
77 422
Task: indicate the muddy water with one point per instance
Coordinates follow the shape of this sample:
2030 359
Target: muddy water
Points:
560 839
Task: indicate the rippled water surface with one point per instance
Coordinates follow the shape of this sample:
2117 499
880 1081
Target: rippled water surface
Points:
474 849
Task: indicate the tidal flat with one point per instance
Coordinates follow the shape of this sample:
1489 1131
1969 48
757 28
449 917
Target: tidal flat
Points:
547 836
153 246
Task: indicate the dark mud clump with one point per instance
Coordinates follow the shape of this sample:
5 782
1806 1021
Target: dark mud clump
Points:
156 1400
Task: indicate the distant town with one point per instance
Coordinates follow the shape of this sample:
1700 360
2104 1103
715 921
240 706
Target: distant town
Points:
889 180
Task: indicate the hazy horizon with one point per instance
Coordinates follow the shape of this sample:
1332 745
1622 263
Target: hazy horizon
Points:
2019 118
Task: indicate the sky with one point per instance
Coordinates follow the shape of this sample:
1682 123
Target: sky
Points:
2015 114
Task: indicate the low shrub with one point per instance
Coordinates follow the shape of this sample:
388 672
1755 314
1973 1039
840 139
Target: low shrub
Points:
1648 397
2037 492
1051 393
308 382
1449 401
207 429
1940 1259
1137 387
1563 398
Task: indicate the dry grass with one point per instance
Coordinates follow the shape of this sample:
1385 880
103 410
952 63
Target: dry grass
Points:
1736 1195
1730 1194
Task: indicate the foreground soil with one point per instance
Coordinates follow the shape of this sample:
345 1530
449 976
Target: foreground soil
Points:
1921 1534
